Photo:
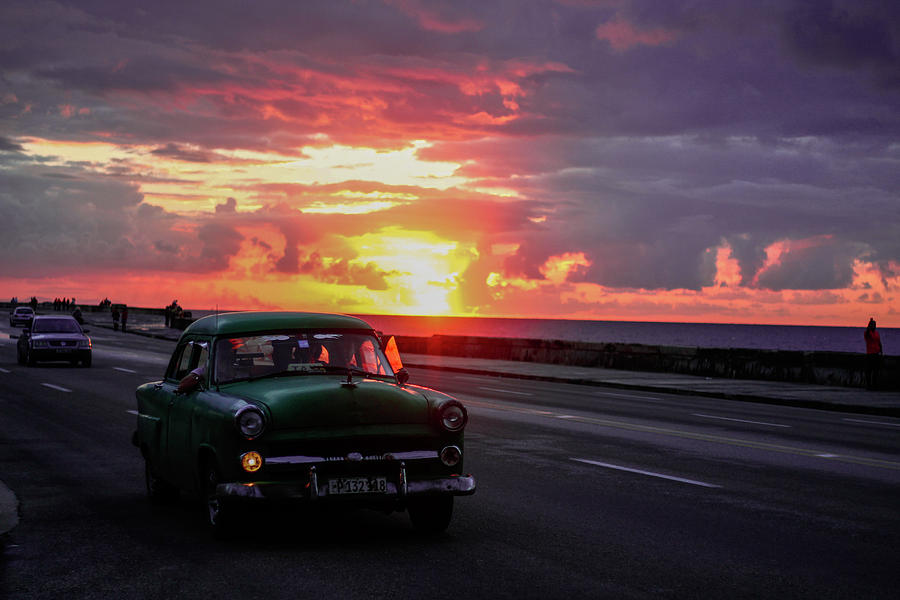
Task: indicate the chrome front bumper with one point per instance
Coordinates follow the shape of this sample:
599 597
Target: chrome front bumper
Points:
463 485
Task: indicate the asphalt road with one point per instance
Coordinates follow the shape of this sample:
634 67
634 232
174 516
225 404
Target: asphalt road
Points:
583 492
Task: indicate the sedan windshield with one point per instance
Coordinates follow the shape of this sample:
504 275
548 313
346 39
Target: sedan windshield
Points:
55 326
298 353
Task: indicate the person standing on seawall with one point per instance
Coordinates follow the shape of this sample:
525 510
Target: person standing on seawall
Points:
124 316
873 355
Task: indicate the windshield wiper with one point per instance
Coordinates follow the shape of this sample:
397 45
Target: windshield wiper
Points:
266 376
355 371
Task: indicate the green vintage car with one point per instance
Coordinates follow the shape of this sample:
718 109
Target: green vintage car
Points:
258 407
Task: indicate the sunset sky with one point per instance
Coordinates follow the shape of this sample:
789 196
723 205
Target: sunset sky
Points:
665 160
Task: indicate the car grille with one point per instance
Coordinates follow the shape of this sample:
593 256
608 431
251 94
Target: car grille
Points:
63 343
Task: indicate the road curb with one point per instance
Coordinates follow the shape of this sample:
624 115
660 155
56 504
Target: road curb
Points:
9 510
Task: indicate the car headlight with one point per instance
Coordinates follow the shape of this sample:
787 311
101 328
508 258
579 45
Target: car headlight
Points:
40 344
84 343
453 416
250 421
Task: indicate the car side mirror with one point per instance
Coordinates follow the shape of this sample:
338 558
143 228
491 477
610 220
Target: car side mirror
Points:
86 330
402 376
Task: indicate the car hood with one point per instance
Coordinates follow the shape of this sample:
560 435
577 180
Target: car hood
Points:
324 401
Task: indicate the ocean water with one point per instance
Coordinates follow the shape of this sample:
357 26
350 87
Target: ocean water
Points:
703 335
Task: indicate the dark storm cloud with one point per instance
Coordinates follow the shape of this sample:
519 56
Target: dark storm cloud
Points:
812 268
8 145
647 132
343 272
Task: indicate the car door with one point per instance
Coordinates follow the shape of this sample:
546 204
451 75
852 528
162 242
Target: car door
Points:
154 404
180 442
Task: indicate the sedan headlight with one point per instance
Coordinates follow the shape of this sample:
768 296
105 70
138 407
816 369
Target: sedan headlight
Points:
84 343
453 416
250 421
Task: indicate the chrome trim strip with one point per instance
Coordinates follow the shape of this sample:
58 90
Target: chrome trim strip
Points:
404 484
313 484
305 460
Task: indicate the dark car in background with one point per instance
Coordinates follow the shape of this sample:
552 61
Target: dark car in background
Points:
300 408
56 338
21 315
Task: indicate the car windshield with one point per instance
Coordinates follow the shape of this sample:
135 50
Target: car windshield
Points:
24 311
55 326
298 353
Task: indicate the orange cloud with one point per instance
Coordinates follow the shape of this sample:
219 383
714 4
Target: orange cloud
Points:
622 35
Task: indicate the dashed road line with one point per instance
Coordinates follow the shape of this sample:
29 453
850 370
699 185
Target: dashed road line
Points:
58 388
124 370
872 422
647 473
502 391
2 370
740 420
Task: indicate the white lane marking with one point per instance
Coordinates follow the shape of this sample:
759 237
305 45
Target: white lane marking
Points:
872 422
132 412
827 455
505 391
124 370
648 473
5 371
56 387
741 420
629 396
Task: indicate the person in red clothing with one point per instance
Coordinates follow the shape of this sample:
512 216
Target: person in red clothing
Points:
873 354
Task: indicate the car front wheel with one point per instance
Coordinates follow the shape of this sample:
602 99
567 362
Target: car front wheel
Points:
29 358
220 512
431 515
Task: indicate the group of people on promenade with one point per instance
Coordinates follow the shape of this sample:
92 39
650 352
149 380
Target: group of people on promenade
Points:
173 311
116 315
61 303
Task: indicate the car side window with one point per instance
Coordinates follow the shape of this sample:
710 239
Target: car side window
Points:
184 362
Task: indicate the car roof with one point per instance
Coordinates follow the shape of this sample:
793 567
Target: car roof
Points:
248 322
24 309
50 317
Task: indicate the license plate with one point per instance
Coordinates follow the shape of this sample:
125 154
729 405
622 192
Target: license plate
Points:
65 349
357 485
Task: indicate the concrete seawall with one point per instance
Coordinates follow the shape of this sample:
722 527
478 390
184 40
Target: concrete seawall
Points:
823 368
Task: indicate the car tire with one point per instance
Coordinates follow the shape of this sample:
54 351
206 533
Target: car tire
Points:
431 515
86 362
158 491
220 512
29 358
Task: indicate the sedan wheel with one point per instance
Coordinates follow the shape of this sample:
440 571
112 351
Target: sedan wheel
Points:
220 512
431 515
